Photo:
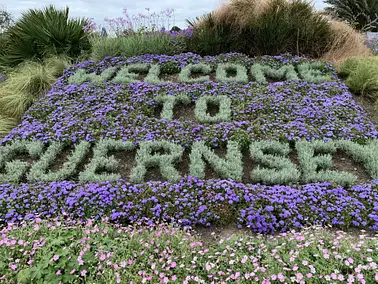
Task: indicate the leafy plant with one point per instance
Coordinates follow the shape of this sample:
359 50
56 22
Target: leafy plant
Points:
40 33
361 14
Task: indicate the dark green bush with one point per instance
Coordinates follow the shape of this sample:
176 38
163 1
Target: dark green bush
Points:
361 14
209 37
280 26
41 33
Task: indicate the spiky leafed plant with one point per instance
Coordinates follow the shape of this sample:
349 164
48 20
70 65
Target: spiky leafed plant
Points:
362 14
40 33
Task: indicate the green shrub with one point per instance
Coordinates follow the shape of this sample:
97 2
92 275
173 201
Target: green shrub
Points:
136 44
279 27
350 65
210 37
364 79
361 75
39 33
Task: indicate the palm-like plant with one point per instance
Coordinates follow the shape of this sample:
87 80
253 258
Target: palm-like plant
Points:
40 33
362 14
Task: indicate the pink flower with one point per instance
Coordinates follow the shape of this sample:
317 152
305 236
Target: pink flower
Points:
299 276
83 273
236 275
55 257
350 260
173 264
72 271
300 238
36 228
208 266
58 272
281 277
174 278
244 259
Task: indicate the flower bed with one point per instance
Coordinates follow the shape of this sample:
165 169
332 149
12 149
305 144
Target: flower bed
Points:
211 112
67 251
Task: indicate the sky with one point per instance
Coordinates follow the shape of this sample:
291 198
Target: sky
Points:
99 9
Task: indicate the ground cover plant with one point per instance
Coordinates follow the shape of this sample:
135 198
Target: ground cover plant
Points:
67 251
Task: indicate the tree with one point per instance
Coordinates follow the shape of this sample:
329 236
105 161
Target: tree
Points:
361 14
5 20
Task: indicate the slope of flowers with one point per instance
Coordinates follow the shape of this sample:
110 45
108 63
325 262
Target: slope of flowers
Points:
66 251
284 111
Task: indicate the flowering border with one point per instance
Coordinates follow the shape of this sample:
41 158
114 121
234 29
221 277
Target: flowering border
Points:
192 201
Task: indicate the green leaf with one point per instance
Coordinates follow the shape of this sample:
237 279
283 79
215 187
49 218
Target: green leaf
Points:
23 275
36 272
